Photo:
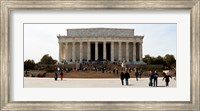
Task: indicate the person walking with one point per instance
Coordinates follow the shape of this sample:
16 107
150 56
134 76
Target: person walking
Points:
136 75
155 79
122 77
61 75
140 74
127 76
166 77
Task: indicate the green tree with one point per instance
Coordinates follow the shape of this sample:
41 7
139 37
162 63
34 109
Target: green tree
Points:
29 64
170 60
159 60
46 59
148 59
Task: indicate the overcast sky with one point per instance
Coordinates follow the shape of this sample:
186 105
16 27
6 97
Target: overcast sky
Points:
41 39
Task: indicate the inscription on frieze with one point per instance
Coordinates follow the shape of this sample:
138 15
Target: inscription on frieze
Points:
100 32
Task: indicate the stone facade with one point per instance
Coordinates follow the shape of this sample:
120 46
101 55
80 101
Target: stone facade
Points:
100 32
100 44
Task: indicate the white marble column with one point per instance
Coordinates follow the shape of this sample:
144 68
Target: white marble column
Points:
140 51
120 51
88 51
73 52
66 51
63 53
96 50
81 51
127 51
104 50
112 51
60 51
134 51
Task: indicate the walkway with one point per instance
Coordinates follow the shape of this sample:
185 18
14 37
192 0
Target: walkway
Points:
34 82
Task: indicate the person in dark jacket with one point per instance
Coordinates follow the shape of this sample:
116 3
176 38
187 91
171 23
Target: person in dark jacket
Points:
136 75
140 74
175 75
166 77
61 75
155 79
122 77
150 78
127 76
56 76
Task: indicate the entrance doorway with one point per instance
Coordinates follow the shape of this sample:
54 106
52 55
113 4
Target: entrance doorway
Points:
137 52
108 51
100 51
92 54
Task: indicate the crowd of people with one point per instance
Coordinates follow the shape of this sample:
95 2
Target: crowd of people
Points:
153 77
124 75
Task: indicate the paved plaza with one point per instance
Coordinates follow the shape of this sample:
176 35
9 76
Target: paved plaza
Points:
34 82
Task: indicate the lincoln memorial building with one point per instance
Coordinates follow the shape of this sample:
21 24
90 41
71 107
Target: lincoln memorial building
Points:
92 44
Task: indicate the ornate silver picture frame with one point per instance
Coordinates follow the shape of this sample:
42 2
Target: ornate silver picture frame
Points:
9 5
